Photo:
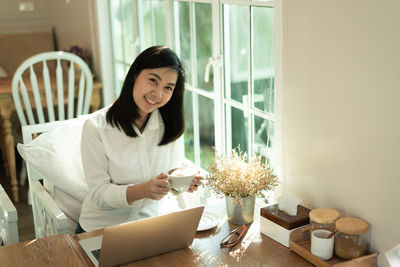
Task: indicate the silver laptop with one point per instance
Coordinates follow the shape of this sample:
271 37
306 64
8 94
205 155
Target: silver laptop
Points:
143 238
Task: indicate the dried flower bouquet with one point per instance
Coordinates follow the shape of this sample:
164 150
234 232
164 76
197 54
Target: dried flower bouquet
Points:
236 177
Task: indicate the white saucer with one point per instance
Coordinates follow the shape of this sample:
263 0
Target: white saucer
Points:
208 220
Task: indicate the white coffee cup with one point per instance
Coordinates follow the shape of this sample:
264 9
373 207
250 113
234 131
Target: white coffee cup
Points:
181 179
321 246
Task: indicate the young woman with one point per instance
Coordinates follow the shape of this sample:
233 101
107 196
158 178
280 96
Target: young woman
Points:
128 148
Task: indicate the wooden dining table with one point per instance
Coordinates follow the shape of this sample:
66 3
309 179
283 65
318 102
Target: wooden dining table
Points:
255 249
6 110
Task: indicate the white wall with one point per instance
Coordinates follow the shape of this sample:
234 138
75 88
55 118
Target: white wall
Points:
75 22
341 111
14 21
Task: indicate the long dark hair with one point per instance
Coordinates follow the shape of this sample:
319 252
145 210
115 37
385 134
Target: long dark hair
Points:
124 111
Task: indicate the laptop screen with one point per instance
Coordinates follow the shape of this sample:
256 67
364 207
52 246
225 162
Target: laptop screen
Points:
144 238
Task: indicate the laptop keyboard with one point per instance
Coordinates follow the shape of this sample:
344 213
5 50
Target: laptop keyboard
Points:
96 253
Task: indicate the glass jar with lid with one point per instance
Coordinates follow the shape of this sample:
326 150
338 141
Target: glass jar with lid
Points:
323 218
350 237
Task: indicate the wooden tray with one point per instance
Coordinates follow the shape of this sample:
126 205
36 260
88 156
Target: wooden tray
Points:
300 243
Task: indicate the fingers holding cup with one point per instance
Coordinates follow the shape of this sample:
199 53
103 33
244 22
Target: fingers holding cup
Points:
196 182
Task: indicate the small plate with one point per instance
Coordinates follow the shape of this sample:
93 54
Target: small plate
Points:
208 220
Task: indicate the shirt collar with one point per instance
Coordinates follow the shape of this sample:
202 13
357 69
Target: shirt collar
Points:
152 124
154 120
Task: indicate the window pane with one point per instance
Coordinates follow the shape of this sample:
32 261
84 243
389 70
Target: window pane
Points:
158 8
189 138
145 23
263 138
203 46
182 30
239 129
128 37
206 126
120 72
236 50
263 63
116 30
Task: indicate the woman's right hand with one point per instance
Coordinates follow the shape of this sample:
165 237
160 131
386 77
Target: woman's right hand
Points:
157 188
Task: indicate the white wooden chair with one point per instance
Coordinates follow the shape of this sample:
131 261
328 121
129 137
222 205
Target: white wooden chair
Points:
47 216
77 68
72 84
8 220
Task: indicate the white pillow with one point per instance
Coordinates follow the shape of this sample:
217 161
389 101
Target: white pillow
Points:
56 156
3 73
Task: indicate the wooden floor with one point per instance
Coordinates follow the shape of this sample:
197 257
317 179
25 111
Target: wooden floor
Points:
25 219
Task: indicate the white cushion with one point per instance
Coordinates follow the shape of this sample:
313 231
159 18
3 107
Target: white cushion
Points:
56 156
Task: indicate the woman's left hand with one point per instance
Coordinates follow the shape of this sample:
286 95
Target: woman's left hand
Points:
195 184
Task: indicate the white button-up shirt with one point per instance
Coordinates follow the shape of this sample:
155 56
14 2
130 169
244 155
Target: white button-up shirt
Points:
112 161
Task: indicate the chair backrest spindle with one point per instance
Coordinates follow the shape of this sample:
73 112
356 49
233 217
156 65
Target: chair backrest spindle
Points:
71 88
48 91
60 91
88 96
79 107
36 95
27 102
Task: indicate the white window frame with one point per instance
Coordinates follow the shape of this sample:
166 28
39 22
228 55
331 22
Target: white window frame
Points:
248 110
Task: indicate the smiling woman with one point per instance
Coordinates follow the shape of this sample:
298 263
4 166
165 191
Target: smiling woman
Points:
128 148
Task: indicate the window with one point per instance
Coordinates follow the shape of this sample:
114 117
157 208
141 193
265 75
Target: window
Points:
249 77
227 47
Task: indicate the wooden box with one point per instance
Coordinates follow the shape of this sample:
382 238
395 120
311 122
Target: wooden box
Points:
278 225
300 243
